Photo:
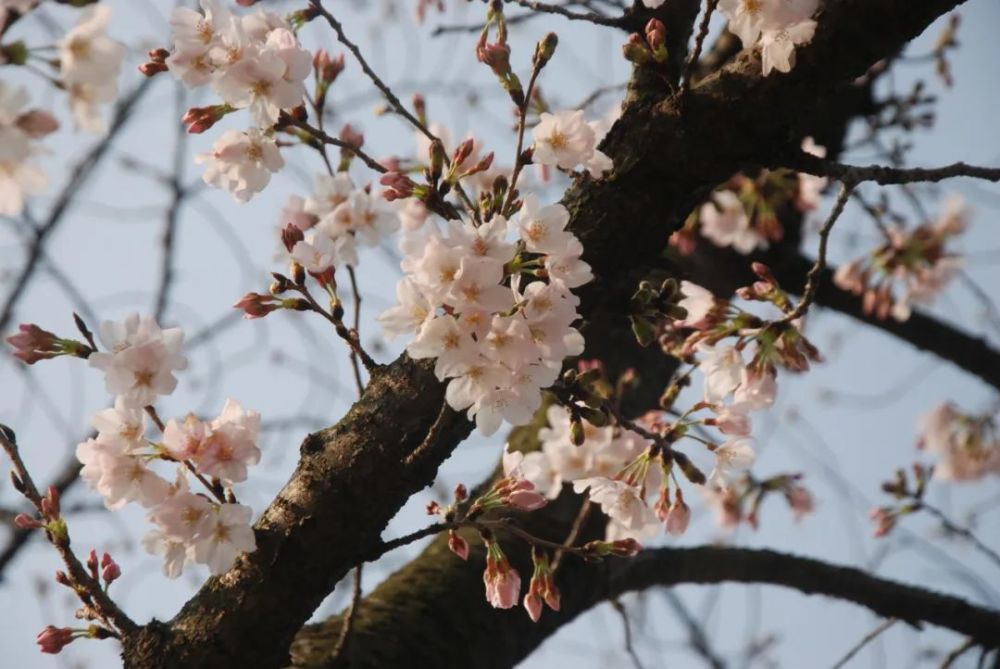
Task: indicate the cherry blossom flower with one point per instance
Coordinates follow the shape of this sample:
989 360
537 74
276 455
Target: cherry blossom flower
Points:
503 582
174 552
698 302
565 140
241 162
543 229
141 361
410 314
122 425
621 502
722 367
678 515
229 533
86 53
724 222
778 45
733 457
119 477
19 176
231 445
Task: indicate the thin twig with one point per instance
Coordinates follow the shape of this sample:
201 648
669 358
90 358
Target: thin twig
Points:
816 271
521 123
88 586
884 175
865 640
627 629
328 139
963 532
574 532
957 653
349 617
393 99
357 329
699 43
589 17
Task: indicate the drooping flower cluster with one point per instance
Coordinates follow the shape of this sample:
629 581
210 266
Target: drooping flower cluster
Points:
968 445
252 62
495 314
138 367
743 213
566 140
777 25
19 127
89 62
917 259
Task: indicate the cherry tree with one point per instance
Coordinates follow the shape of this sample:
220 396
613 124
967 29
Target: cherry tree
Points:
611 305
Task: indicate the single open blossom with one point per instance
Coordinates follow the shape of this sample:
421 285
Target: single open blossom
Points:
19 127
231 445
967 445
566 140
123 425
621 502
227 535
722 367
734 456
141 359
778 45
241 162
269 80
86 53
118 476
699 304
724 222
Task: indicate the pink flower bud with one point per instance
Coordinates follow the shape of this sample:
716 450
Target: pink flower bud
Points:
458 545
800 500
200 119
32 344
463 152
327 68
54 639
152 68
433 508
26 522
37 123
351 137
678 516
255 305
461 492
111 571
528 500
291 235
533 605
503 583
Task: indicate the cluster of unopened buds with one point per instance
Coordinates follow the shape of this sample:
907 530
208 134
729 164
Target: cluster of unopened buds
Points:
139 362
745 213
968 445
915 260
909 498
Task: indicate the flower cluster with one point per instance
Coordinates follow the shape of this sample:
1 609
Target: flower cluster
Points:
89 62
332 221
252 62
495 314
743 213
138 368
778 25
566 140
915 258
19 128
968 445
